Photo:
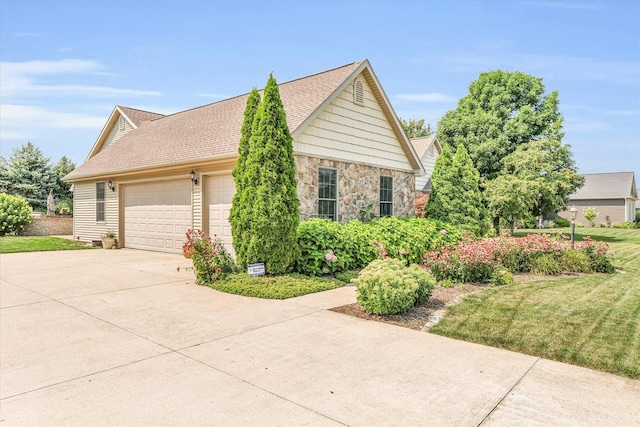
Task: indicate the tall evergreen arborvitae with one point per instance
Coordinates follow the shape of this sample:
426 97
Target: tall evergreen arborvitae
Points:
441 186
270 199
455 195
237 218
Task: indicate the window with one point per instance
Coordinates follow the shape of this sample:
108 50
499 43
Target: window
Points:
99 201
327 194
358 92
386 196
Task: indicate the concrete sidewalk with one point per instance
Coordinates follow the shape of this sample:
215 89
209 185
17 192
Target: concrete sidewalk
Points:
124 337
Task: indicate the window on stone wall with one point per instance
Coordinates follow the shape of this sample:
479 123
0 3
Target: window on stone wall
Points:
327 194
99 201
386 196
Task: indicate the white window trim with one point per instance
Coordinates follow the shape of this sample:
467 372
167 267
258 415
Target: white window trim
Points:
380 202
104 202
334 200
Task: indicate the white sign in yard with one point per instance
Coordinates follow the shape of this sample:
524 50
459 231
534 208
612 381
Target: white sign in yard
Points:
256 269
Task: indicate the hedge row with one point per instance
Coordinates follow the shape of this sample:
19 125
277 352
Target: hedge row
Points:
328 247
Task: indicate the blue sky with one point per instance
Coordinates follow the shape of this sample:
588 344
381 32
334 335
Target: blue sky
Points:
65 65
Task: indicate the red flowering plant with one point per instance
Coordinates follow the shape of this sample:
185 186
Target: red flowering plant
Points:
211 260
478 261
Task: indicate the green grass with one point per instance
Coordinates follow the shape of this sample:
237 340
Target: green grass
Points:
13 244
591 320
274 287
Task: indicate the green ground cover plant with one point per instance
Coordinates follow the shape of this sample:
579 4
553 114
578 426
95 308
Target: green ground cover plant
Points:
273 287
590 320
14 244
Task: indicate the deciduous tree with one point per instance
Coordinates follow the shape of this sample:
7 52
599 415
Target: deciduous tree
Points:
416 128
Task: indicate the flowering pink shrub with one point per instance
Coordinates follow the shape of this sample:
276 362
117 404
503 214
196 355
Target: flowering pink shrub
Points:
471 261
211 260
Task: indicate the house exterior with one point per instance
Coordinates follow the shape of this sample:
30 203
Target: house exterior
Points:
428 148
349 146
613 195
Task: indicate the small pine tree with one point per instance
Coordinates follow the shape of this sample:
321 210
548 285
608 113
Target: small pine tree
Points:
29 174
455 195
270 199
238 218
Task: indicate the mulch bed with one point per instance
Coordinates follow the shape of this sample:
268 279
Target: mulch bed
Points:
423 317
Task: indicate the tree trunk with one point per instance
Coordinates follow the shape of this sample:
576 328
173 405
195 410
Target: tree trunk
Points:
496 225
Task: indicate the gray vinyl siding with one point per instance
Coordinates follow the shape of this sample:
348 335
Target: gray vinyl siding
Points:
614 209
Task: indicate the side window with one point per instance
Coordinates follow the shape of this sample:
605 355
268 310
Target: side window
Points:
386 196
99 201
327 194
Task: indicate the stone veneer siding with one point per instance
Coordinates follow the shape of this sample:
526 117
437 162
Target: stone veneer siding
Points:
358 186
49 226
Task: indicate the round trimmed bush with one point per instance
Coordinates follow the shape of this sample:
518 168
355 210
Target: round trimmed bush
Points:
15 213
388 286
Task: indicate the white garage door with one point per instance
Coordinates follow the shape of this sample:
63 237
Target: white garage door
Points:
157 215
220 191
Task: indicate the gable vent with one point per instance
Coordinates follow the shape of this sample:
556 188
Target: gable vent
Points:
358 92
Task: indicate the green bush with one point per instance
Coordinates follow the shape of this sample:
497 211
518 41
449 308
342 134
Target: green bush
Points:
502 278
546 264
387 286
561 222
15 214
628 224
328 247
347 277
637 221
576 262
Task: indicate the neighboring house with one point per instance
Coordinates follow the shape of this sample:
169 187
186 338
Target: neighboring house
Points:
428 148
349 146
613 195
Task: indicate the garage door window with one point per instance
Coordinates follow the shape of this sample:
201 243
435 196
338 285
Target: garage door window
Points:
99 201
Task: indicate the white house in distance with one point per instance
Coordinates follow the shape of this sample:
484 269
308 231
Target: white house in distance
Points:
151 177
428 149
613 195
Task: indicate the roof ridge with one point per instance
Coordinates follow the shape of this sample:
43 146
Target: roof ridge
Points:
138 109
259 90
607 173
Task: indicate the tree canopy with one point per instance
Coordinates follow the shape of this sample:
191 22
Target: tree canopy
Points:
28 173
502 111
416 128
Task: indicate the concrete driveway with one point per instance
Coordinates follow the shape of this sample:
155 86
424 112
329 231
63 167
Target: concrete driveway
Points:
122 337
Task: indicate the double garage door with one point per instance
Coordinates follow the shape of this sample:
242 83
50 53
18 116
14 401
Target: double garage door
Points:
157 215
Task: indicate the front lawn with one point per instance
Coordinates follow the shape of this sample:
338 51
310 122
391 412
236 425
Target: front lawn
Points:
13 244
587 320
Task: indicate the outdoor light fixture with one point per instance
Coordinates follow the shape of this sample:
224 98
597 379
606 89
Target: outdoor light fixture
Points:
111 186
574 213
193 177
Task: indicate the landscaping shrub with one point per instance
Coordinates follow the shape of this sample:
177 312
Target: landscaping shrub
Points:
628 224
502 278
15 214
387 286
537 253
347 277
561 222
576 262
546 265
211 260
329 247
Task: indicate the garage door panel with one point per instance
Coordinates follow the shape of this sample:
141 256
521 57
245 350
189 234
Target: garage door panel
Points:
220 191
157 215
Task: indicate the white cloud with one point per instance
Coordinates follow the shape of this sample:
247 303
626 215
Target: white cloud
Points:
16 119
19 80
426 97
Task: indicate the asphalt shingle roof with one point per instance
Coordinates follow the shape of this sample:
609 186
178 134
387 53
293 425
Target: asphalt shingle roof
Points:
204 132
421 144
614 185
